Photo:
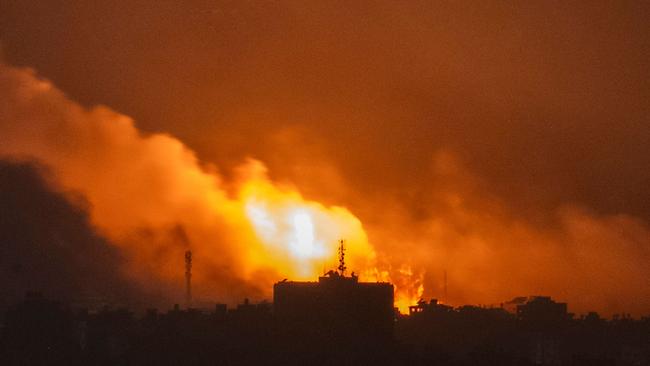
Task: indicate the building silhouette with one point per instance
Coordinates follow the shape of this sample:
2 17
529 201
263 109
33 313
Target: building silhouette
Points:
336 312
334 309
336 320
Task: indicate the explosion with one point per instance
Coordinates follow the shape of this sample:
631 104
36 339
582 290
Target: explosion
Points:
153 199
300 237
297 236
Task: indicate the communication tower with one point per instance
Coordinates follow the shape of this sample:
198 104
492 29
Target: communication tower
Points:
342 266
188 278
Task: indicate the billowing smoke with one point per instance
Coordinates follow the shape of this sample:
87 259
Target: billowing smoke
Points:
48 245
150 196
153 199
491 253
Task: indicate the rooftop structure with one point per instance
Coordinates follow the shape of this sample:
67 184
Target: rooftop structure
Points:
335 309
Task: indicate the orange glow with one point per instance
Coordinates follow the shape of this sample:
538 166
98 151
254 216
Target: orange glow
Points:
296 236
151 198
299 238
409 288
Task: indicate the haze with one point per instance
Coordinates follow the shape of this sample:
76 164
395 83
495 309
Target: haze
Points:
506 144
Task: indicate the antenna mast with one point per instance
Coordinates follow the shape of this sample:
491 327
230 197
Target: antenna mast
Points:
342 266
188 278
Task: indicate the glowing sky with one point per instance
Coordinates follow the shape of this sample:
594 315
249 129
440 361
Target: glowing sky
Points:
506 144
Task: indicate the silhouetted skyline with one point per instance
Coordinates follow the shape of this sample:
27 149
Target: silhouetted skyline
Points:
467 152
334 321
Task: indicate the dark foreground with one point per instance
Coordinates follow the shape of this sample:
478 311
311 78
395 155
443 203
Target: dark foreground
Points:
42 332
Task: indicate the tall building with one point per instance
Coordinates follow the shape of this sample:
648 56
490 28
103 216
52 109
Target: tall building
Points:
336 308
542 311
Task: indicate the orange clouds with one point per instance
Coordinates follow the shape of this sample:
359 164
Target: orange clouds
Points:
153 198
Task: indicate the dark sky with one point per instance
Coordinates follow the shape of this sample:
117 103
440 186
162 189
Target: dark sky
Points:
544 103
546 100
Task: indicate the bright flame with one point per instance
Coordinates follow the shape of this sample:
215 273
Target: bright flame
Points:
409 288
302 245
299 238
248 233
152 198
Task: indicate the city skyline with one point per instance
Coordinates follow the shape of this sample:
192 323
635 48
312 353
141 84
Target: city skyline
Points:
470 153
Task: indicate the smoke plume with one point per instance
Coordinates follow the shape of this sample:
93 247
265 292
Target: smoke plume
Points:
48 245
152 198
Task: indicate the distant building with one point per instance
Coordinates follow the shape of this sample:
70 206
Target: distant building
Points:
334 309
511 305
542 321
542 310
432 306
